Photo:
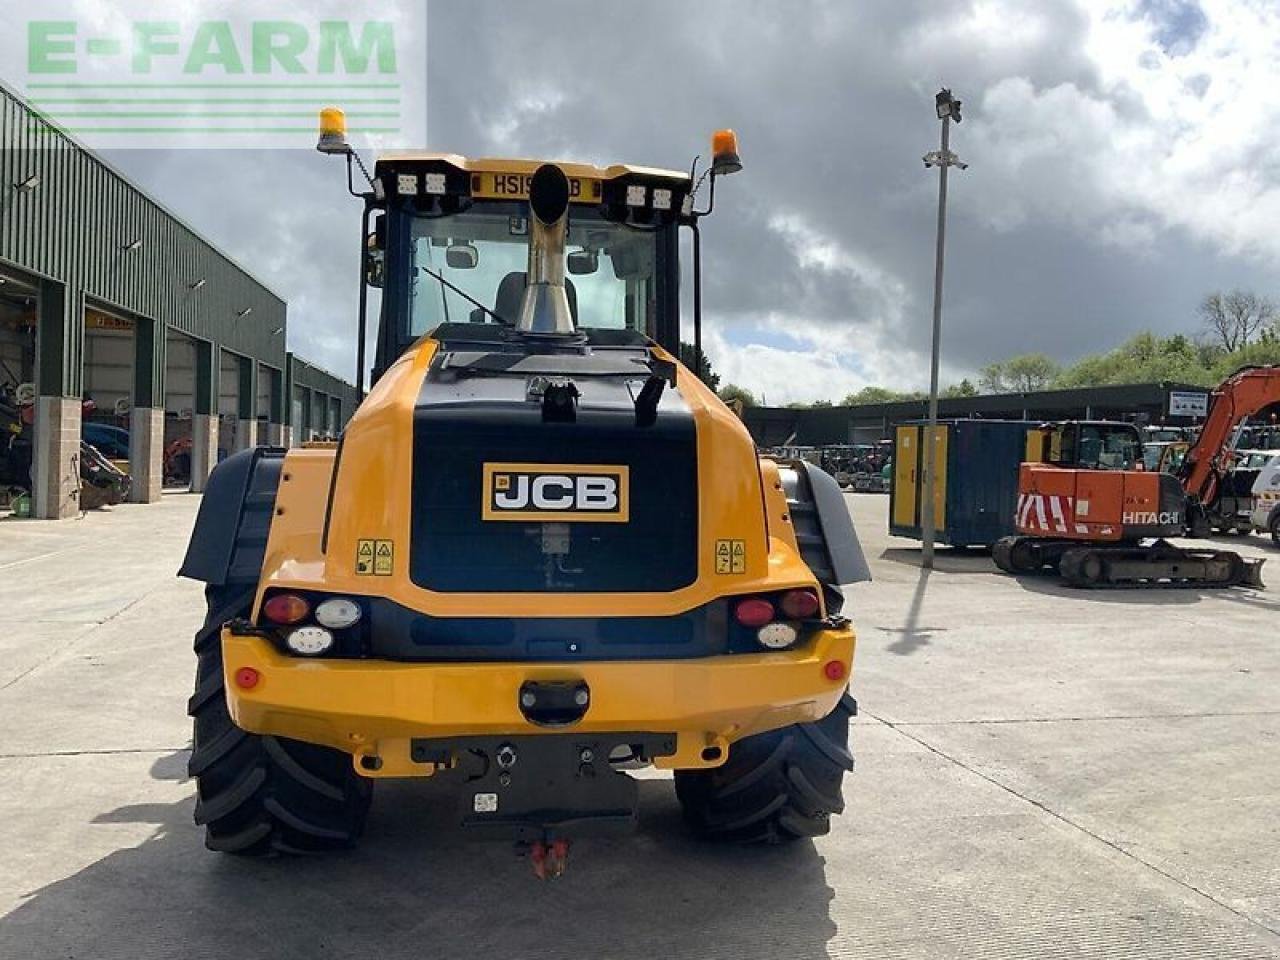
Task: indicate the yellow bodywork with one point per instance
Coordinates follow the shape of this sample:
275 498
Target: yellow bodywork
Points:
375 706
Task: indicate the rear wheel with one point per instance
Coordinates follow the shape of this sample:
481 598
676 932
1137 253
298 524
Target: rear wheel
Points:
775 787
1275 529
257 794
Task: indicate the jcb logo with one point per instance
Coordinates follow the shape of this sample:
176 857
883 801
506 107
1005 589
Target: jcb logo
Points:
550 492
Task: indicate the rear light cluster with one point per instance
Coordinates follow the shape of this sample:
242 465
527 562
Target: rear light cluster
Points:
312 633
773 617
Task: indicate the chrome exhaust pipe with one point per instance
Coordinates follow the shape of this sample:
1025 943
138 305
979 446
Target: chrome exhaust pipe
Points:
544 309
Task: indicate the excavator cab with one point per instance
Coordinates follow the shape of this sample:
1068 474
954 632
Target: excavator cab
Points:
1090 445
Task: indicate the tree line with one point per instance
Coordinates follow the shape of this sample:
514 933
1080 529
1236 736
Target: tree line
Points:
1236 329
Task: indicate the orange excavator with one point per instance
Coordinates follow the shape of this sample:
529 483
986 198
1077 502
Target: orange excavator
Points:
1088 509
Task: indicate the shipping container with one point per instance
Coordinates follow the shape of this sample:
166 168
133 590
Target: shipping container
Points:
977 491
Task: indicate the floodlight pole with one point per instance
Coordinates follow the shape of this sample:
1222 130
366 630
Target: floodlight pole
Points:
943 160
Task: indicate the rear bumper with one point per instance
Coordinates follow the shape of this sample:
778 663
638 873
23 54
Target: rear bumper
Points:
1261 515
373 708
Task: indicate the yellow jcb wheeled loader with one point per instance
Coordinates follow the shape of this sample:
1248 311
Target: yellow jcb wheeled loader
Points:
542 552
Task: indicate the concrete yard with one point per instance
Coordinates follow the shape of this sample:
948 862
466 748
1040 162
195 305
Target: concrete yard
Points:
1042 773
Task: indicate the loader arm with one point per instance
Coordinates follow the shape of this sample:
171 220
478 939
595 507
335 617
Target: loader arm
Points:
1243 394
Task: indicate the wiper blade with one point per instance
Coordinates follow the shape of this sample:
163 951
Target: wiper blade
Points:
462 293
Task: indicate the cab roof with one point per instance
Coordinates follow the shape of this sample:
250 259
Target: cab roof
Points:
521 165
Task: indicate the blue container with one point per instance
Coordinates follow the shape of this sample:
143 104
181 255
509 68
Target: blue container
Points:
977 492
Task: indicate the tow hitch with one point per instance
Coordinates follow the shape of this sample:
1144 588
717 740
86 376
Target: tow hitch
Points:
538 790
549 859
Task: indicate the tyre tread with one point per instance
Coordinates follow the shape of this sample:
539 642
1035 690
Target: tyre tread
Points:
775 787
256 795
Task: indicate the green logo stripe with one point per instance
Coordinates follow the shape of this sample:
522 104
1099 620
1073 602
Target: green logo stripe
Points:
204 114
204 101
159 85
185 129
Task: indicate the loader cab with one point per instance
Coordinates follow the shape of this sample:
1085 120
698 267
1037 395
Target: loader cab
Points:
1090 445
449 244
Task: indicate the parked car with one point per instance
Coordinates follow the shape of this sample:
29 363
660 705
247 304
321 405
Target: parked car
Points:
1266 504
112 442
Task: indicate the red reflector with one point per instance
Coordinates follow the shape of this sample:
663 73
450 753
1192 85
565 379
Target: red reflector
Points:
247 677
799 604
833 669
286 608
753 612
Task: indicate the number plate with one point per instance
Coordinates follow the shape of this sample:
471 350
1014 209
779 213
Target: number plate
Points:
515 186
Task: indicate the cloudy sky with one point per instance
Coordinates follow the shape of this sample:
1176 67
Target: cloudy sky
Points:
1123 162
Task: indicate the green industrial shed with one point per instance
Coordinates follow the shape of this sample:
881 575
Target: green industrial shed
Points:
1150 403
105 294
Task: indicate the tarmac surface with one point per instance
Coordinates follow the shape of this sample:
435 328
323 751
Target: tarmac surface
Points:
1041 773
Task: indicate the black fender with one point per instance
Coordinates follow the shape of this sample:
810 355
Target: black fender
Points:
824 530
229 540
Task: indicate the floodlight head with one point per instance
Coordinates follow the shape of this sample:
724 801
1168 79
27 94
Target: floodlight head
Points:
946 105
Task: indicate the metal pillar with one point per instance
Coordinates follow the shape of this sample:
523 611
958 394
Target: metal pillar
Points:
948 109
204 420
146 420
55 465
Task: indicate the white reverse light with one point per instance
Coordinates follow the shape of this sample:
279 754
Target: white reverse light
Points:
776 636
309 641
635 195
337 613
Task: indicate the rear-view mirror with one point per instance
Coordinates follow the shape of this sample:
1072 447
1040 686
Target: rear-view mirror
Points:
583 261
462 256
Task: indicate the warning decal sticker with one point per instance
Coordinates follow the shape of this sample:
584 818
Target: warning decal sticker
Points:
375 558
731 556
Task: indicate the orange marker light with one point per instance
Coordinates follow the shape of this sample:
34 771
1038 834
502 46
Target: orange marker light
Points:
724 152
333 131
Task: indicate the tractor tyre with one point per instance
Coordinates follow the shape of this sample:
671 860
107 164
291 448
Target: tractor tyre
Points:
775 787
260 795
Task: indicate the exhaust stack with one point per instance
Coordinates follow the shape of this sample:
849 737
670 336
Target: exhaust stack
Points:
545 306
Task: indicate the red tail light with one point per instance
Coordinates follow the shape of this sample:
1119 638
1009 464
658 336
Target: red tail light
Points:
799 604
753 612
286 608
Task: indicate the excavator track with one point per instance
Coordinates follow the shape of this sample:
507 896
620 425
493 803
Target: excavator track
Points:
1159 565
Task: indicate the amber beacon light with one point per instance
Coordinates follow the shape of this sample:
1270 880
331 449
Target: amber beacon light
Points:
724 152
333 131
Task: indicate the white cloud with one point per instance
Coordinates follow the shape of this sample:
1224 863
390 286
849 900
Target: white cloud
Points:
1180 140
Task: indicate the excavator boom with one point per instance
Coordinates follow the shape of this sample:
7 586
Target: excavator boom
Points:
1243 394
